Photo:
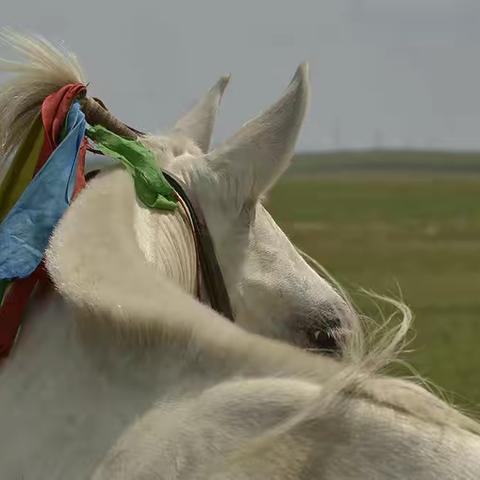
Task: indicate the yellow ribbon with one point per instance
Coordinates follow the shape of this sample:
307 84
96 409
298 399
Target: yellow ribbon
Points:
21 170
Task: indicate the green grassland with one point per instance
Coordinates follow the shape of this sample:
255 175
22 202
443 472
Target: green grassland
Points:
405 230
393 161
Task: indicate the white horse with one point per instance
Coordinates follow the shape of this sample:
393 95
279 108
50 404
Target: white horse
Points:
125 375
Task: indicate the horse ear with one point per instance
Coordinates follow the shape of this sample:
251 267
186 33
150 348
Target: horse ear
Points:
198 123
262 149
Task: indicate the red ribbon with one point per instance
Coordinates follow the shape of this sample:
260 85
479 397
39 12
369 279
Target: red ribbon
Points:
54 111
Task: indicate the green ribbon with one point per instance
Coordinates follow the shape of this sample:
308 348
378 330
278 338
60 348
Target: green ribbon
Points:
151 186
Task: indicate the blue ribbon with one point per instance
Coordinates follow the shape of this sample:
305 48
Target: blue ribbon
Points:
25 231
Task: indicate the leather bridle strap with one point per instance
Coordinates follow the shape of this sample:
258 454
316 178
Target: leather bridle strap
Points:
208 264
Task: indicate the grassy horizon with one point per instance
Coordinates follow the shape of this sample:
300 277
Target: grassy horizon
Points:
407 161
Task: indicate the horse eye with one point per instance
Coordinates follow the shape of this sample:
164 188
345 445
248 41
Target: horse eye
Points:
324 341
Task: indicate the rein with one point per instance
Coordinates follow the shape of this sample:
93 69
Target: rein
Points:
209 272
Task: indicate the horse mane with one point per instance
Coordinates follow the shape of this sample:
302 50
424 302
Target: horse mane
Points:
45 70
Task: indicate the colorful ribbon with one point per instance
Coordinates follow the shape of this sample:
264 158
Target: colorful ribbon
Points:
31 208
43 178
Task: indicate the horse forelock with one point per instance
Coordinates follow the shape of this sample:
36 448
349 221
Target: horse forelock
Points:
44 70
166 147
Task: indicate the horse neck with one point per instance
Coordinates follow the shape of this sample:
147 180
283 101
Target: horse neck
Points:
95 261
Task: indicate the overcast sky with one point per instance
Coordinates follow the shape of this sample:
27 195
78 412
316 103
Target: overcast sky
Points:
383 72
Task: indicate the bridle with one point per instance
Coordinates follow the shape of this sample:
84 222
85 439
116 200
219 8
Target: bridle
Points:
207 261
209 273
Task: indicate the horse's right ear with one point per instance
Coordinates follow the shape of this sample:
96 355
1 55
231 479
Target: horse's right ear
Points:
252 160
198 123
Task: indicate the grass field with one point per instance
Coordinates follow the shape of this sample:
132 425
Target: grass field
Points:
418 232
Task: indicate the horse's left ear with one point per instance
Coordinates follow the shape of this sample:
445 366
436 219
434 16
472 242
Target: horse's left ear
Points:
252 160
198 123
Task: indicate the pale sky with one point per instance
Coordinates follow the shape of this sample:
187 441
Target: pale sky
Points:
383 72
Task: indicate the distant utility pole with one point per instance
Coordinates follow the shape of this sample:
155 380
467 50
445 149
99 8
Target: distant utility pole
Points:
337 135
378 138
